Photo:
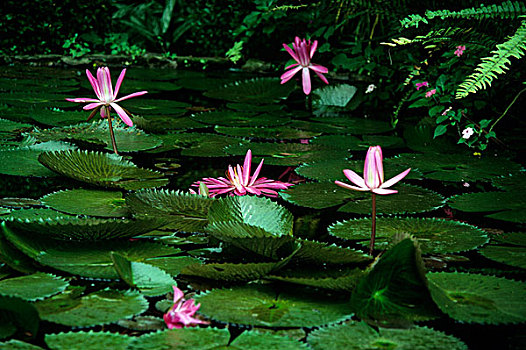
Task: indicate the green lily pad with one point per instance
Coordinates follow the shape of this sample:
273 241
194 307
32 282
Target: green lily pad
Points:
14 344
468 297
88 202
338 279
513 256
33 287
55 225
457 167
174 265
9 127
317 195
287 154
87 259
323 126
267 108
260 305
97 308
512 182
54 117
147 107
395 291
513 238
17 313
129 139
101 169
257 90
357 126
353 143
24 161
246 119
359 336
333 95
35 100
420 138
161 124
508 206
229 272
198 144
433 235
88 341
185 212
321 253
270 133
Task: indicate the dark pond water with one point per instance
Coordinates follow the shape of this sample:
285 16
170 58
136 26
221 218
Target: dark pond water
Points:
88 233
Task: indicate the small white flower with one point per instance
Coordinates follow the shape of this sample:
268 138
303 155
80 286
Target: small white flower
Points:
466 133
370 88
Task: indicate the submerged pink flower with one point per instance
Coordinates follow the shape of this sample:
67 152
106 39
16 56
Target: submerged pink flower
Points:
431 93
181 313
373 173
105 94
239 182
460 50
302 52
422 84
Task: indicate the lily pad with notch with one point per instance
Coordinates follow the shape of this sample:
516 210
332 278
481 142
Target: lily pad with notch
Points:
507 206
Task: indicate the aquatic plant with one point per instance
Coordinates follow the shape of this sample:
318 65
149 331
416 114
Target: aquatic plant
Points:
107 98
302 52
373 180
239 182
181 314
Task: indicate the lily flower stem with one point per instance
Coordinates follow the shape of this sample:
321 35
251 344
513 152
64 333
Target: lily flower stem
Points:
373 228
113 143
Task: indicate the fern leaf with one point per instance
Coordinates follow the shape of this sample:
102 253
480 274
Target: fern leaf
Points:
490 67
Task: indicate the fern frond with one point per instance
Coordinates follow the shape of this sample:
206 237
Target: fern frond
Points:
506 10
488 69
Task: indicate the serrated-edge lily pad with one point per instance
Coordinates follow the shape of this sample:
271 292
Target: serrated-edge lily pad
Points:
334 95
259 305
271 133
14 344
433 235
360 336
337 279
513 238
88 341
97 308
33 287
239 119
186 212
513 256
101 169
257 90
509 206
88 202
189 338
229 272
474 298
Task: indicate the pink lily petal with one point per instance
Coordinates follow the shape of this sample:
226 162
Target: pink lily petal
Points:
383 191
82 100
92 105
395 179
118 84
318 68
313 49
135 94
246 167
256 173
350 187
354 178
291 52
289 74
306 81
122 114
292 65
178 294
322 77
94 84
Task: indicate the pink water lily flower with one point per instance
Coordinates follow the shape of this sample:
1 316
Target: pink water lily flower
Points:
431 93
239 182
422 84
302 52
181 313
460 50
373 173
105 95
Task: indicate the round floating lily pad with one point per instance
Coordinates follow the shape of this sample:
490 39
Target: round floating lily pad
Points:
204 145
513 238
53 117
144 106
468 297
317 195
458 167
11 127
35 100
433 235
259 305
97 308
509 206
513 256
229 272
14 344
33 287
353 143
79 228
88 341
24 161
257 90
185 212
255 108
191 338
409 199
333 95
161 124
287 154
129 139
173 265
337 279
357 126
318 126
88 202
101 169
360 336
271 133
87 259
246 119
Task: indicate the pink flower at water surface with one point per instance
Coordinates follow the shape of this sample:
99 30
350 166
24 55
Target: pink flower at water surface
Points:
240 183
181 313
302 52
460 50
422 84
105 94
431 93
373 173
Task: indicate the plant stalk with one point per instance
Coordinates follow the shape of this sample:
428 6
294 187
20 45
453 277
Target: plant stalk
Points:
373 228
113 143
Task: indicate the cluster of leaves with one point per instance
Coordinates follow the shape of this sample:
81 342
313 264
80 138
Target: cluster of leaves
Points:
107 239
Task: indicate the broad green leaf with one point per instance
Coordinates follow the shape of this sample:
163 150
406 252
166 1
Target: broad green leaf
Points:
33 287
88 341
